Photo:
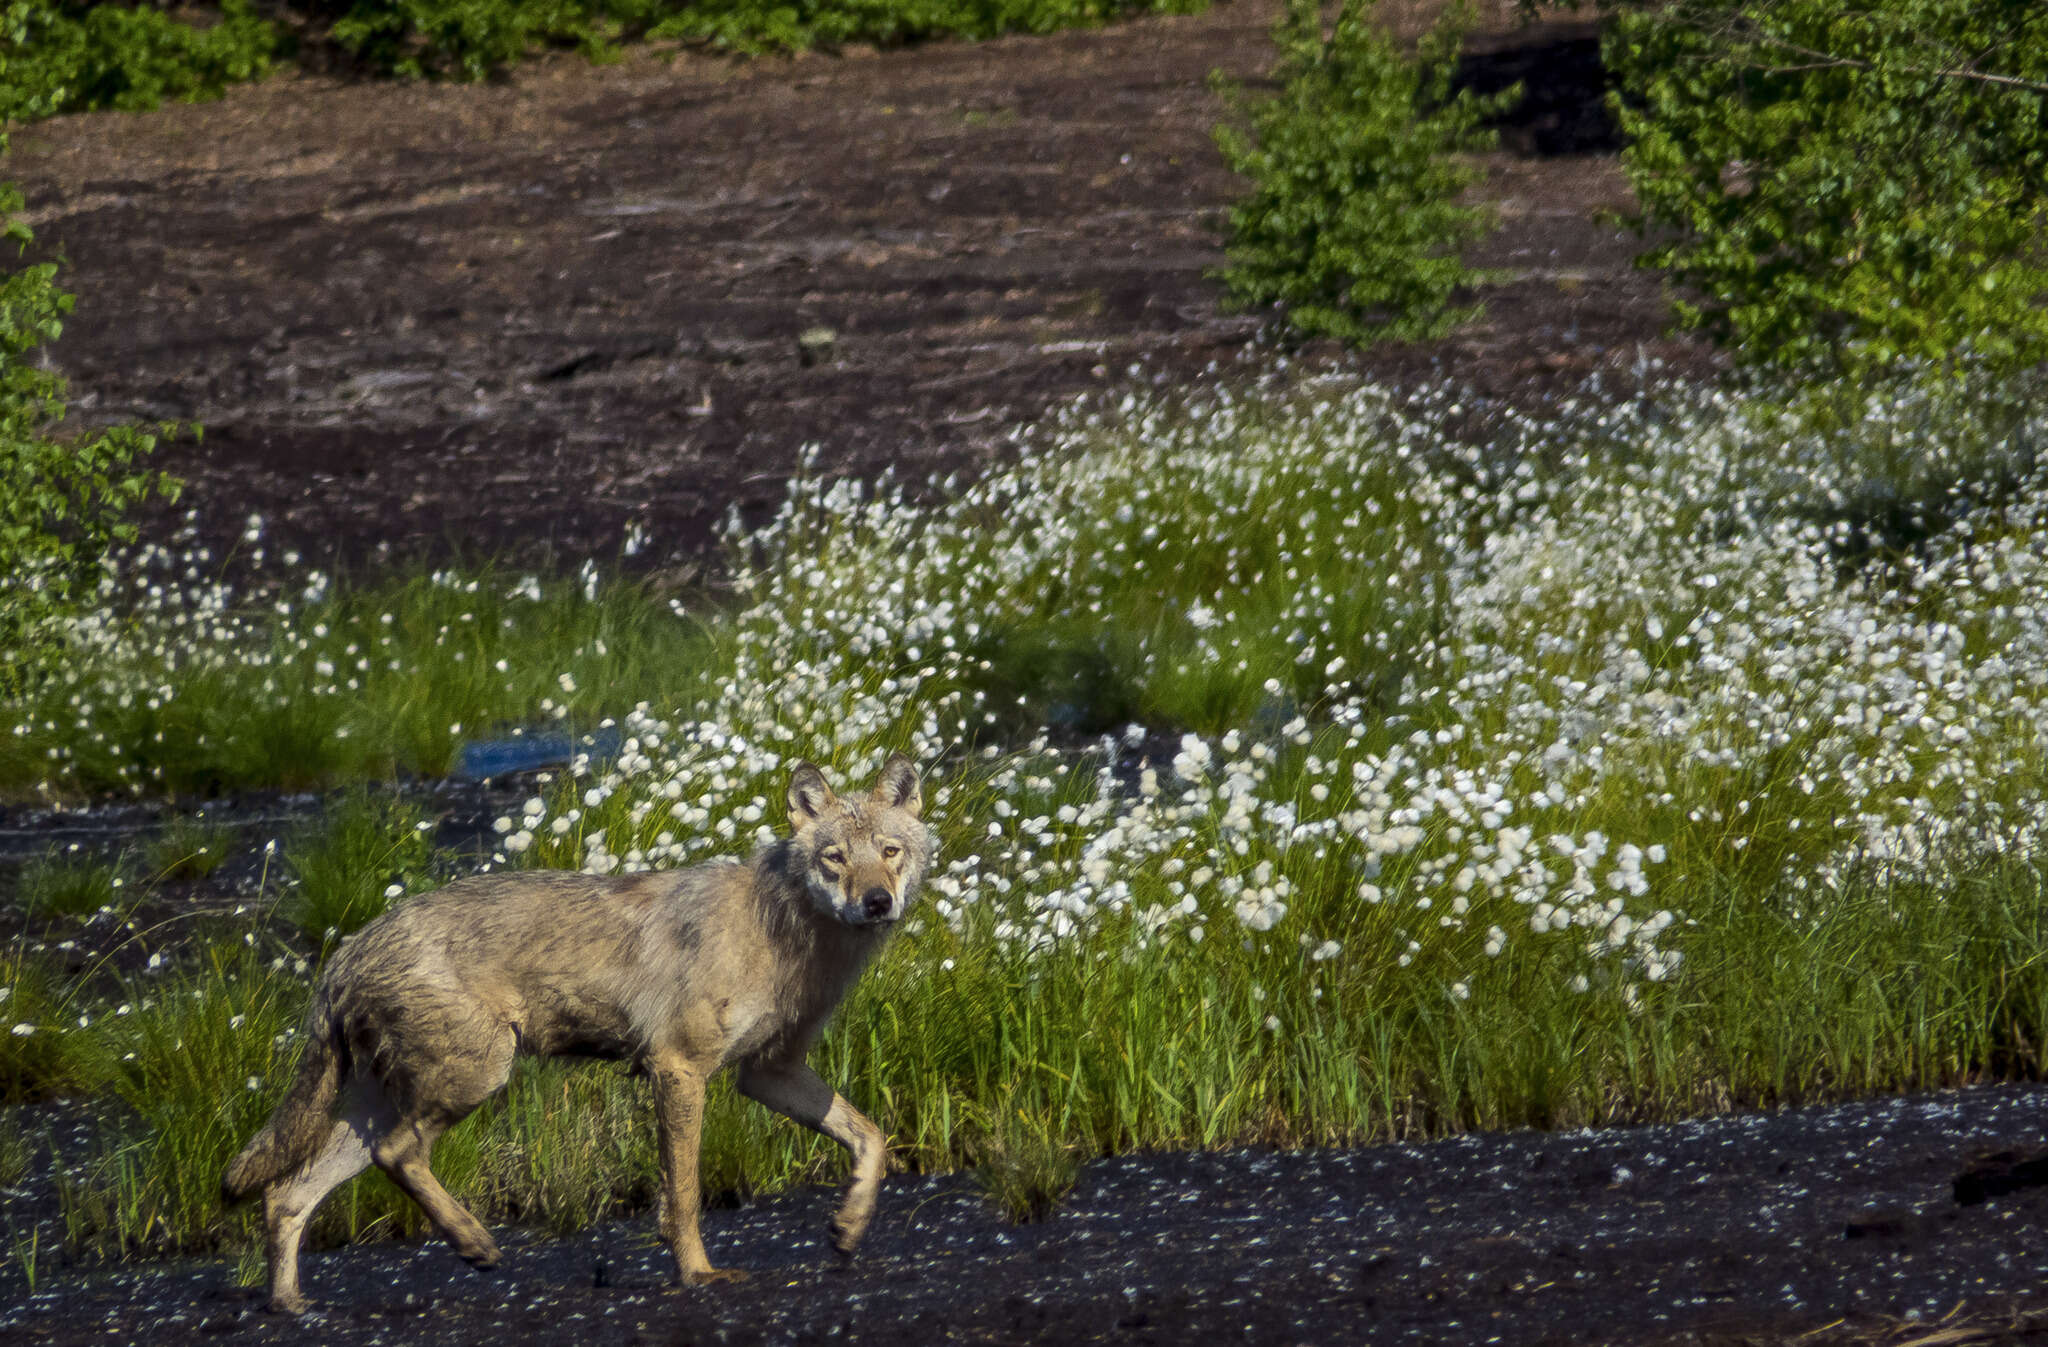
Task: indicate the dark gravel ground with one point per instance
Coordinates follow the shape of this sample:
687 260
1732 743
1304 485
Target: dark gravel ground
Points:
1884 1221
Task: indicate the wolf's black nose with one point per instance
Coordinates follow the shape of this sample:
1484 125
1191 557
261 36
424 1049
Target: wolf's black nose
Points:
876 902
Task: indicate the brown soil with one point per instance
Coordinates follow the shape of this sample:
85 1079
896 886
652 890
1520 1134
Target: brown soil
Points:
418 320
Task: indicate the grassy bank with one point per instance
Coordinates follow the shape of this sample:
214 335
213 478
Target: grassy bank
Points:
1309 768
289 680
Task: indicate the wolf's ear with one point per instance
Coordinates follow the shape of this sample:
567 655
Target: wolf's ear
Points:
809 796
897 785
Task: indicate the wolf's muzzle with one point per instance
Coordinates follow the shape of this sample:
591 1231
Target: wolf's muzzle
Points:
877 903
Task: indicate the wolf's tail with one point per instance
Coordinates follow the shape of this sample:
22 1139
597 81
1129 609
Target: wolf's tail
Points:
298 1125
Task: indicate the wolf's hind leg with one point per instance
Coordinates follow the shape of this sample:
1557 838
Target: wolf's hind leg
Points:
289 1203
445 1097
403 1155
795 1091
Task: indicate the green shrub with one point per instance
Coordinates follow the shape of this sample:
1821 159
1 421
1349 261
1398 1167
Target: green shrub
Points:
1850 187
71 57
754 26
1354 220
469 39
61 500
66 57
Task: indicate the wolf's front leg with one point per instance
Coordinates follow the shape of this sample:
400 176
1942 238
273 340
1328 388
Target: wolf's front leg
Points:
795 1091
679 1118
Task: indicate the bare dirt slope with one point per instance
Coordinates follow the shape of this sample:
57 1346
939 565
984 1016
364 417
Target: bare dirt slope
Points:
512 318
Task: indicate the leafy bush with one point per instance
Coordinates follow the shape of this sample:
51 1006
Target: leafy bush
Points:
753 26
61 500
1354 220
1851 187
69 57
470 39
66 57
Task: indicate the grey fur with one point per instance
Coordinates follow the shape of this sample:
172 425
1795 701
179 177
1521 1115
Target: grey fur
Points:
416 1020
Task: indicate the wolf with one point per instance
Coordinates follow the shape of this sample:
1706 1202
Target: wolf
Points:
417 1018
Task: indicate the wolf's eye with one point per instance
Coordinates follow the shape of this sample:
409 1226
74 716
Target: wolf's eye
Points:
835 857
891 852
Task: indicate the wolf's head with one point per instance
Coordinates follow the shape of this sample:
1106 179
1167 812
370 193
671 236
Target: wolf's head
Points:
861 856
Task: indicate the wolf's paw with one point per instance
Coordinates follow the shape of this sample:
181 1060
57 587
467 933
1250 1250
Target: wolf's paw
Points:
846 1234
294 1304
712 1276
476 1247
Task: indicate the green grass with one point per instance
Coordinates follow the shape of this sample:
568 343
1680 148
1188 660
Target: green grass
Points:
179 1070
320 685
1577 778
362 854
41 1054
17 1149
1023 1069
69 884
188 847
1026 1162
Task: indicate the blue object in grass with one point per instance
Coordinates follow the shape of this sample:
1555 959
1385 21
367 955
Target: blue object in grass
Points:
529 752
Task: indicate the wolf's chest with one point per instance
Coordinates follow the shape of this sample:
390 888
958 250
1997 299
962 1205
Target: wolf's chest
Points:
746 1024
